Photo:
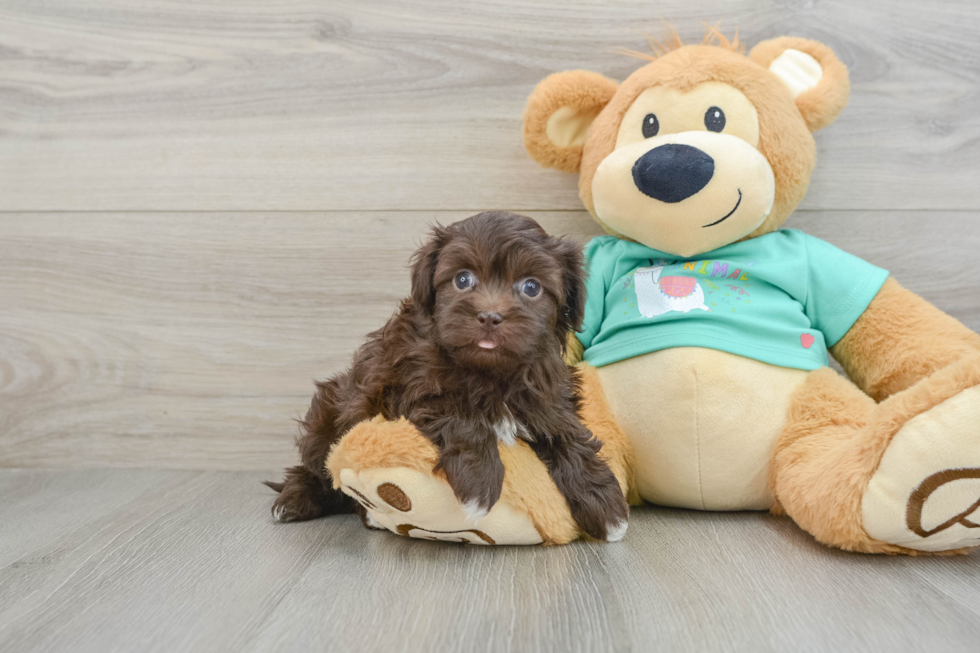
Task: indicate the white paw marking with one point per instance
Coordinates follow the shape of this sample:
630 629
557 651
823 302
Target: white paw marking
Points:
474 511
277 513
616 533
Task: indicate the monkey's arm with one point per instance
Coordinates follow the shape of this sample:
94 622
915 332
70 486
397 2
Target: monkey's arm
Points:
899 340
574 350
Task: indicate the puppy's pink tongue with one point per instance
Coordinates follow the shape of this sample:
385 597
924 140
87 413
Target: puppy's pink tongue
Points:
487 344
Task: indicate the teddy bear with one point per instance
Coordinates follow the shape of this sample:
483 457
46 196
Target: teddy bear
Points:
703 357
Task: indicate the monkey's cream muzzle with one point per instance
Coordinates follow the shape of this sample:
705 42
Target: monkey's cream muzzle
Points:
684 193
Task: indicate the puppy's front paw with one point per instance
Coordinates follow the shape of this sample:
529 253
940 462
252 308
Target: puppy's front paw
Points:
290 507
301 496
602 512
477 483
616 532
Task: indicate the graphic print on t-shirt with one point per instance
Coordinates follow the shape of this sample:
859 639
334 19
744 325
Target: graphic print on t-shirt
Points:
657 294
782 298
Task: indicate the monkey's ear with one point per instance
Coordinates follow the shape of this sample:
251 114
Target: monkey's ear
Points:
572 309
558 115
813 74
424 262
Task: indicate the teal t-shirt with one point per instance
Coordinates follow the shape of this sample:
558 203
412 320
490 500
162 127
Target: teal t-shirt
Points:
782 299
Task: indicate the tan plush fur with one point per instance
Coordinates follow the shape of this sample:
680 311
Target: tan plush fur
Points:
784 141
528 487
702 423
712 36
902 351
918 337
834 439
573 349
822 458
597 416
379 443
901 348
820 105
581 90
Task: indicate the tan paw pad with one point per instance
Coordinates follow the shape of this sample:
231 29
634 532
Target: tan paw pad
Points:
925 494
413 504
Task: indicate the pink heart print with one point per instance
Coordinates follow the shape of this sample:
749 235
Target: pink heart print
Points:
806 340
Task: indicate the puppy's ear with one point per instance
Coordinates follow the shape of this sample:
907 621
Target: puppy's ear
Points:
572 311
424 268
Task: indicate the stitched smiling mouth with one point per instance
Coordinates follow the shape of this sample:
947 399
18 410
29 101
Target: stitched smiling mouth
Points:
729 214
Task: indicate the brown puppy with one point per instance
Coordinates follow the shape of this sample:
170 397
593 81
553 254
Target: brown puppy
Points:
472 358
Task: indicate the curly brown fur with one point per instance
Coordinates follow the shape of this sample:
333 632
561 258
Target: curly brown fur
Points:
469 366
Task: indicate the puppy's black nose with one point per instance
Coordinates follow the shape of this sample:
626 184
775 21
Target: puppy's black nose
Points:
491 320
673 172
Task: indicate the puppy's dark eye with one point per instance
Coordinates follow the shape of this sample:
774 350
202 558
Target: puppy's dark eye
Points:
531 287
651 126
714 119
464 279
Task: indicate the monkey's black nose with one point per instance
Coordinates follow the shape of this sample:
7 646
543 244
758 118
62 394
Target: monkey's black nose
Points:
673 172
491 320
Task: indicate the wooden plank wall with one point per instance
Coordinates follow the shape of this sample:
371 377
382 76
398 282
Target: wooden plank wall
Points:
205 205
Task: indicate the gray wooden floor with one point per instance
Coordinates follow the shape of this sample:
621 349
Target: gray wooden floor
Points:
147 561
205 205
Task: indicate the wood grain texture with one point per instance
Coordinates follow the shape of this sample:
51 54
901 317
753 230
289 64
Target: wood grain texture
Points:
190 341
204 206
352 105
191 561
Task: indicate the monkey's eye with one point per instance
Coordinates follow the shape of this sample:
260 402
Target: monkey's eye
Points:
464 279
651 126
531 287
714 119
